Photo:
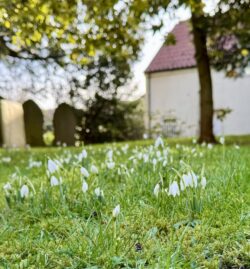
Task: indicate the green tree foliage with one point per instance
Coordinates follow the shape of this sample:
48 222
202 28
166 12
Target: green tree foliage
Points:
94 35
109 119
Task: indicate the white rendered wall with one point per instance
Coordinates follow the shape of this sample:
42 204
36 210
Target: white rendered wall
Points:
177 93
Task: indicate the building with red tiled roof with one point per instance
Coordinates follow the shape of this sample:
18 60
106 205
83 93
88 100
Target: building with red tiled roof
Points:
173 92
177 56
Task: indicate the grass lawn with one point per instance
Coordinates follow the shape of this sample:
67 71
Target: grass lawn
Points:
181 206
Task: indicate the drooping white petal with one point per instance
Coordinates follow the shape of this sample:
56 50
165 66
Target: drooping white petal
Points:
159 142
203 182
174 189
84 172
98 192
7 187
116 211
156 190
52 166
110 165
94 169
84 186
54 181
24 192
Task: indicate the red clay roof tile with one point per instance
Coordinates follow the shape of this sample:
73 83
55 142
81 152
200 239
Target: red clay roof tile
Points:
177 56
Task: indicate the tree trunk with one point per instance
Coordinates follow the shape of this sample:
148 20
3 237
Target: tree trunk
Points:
206 91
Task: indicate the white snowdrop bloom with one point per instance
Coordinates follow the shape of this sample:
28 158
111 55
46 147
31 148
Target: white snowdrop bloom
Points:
110 165
54 181
84 186
52 166
24 192
82 155
116 211
237 146
194 141
209 146
222 140
190 180
203 144
110 154
84 172
201 154
125 148
158 154
99 192
186 180
157 189
203 182
174 189
6 159
7 186
193 151
194 179
154 161
145 158
182 185
132 170
159 142
139 156
164 164
94 169
165 152
145 136
177 146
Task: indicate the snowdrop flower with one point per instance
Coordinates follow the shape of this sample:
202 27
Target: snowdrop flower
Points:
164 164
84 172
159 142
94 169
174 189
145 136
203 182
189 180
54 181
165 152
84 154
98 192
194 179
84 186
7 187
110 154
156 190
194 141
116 211
237 146
52 166
145 158
110 165
6 159
209 146
154 161
186 181
222 140
24 192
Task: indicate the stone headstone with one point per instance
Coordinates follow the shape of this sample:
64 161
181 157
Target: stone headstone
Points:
65 123
33 122
12 124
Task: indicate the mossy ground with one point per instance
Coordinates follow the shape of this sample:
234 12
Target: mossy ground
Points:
62 227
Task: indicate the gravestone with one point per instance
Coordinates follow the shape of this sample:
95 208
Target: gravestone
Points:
33 122
65 123
12 124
